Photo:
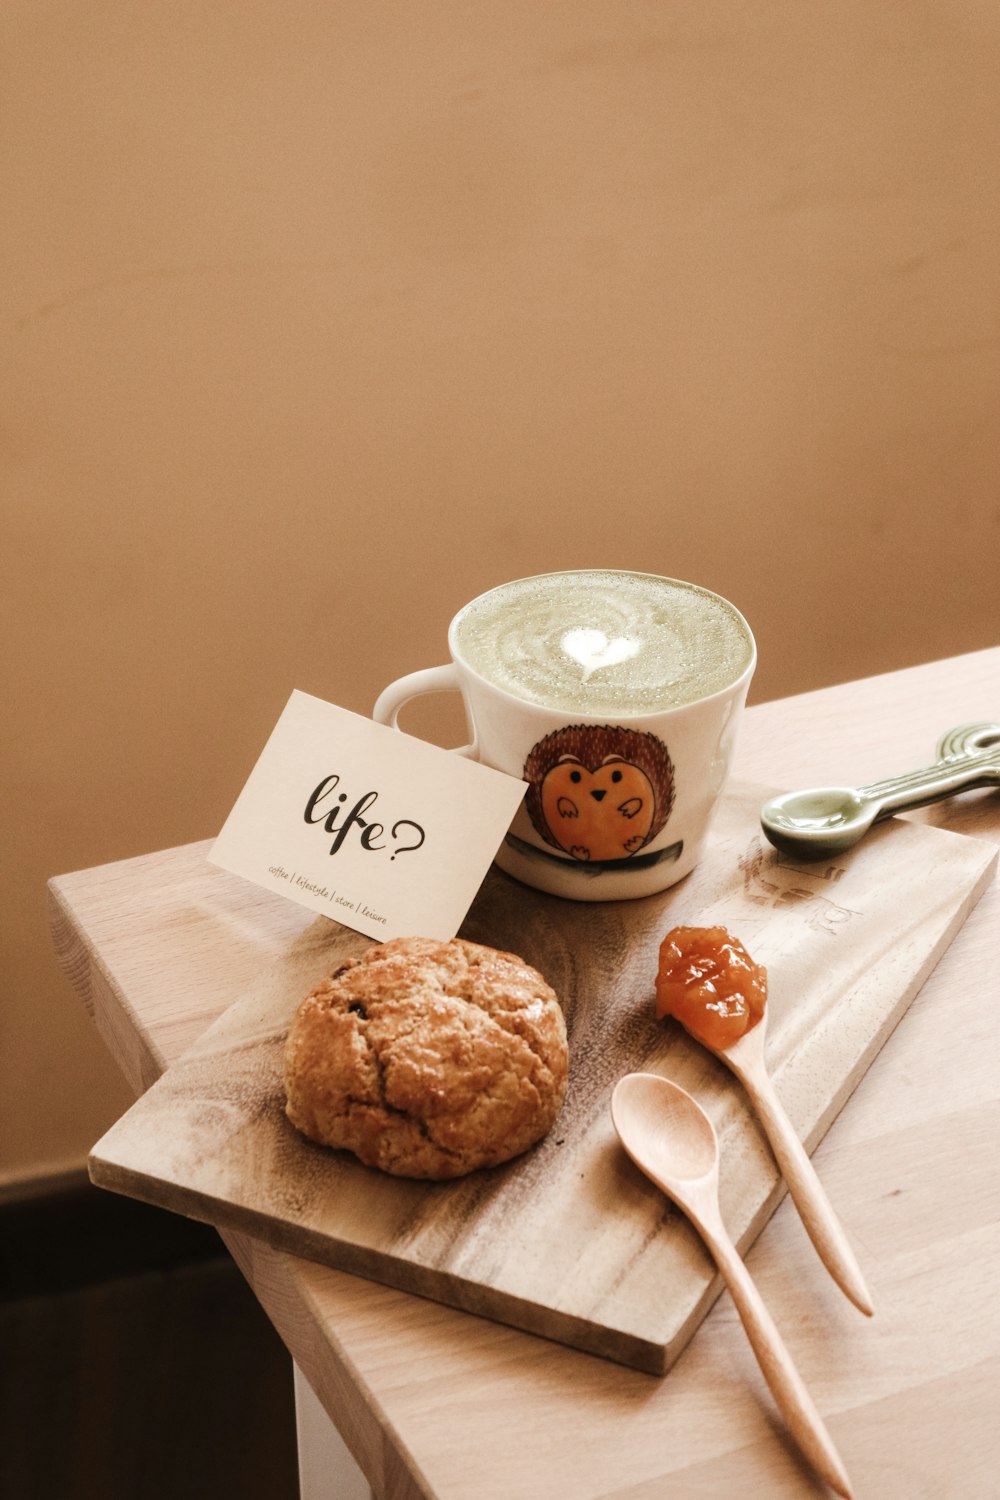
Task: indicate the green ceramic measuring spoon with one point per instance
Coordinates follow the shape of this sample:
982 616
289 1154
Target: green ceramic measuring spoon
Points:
828 820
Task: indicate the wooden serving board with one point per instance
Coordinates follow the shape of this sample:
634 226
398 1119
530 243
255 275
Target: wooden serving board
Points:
571 1241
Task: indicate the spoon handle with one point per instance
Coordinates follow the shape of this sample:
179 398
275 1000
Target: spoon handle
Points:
932 783
783 1379
808 1194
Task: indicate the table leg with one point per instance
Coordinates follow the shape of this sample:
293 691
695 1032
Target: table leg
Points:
327 1470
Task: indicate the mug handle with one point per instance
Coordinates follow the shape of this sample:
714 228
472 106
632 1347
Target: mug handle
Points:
415 685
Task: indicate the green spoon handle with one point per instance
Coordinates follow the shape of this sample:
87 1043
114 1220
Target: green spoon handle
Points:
955 773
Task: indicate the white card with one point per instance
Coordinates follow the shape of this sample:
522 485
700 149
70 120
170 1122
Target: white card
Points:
385 833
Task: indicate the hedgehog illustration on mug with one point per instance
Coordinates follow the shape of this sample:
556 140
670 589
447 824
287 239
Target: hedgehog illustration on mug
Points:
599 792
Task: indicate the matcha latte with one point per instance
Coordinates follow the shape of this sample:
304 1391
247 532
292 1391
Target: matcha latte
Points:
600 642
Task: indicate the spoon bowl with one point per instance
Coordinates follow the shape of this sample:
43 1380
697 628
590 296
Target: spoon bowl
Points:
671 1131
671 1139
821 822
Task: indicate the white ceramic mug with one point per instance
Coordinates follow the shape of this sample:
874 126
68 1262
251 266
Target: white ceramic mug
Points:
618 803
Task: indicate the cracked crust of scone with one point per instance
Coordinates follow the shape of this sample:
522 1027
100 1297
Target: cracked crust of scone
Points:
428 1059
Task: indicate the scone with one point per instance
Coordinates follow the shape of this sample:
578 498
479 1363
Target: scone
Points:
428 1059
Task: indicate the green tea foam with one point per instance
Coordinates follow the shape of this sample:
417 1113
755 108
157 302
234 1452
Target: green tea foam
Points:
602 642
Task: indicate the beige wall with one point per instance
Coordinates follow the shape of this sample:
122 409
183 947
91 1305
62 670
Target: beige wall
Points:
320 318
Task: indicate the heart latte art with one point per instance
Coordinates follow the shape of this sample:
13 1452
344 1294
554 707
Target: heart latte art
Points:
593 650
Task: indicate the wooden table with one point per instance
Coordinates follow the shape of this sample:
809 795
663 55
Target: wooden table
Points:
433 1402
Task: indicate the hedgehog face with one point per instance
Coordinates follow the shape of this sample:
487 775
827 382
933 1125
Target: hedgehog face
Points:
598 792
602 814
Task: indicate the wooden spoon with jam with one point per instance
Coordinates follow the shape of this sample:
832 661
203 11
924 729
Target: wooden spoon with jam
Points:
709 983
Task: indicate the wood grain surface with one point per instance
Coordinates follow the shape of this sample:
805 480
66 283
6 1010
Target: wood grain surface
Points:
570 1241
436 1404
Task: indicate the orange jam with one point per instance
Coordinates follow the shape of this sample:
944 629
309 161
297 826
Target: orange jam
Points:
708 981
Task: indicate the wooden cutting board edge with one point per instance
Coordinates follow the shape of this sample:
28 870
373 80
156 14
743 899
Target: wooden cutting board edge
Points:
588 1335
582 1334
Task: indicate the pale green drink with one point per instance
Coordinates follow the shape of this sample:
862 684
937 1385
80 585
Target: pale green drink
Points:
602 642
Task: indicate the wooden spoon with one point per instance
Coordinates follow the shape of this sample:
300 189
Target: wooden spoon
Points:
670 1138
746 1059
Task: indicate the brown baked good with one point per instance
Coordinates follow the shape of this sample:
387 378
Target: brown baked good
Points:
428 1059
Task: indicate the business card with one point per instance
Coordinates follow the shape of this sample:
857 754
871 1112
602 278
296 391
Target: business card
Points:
385 833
